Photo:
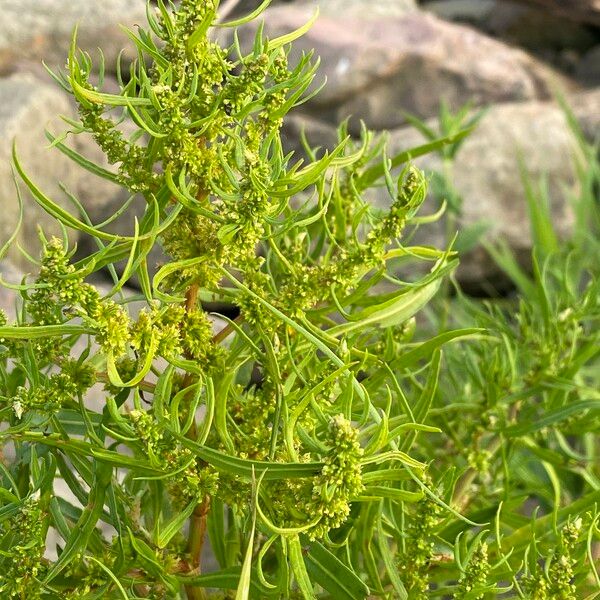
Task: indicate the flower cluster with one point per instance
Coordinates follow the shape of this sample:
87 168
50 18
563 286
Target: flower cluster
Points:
57 391
190 480
340 480
418 551
27 527
475 575
3 322
111 324
252 411
556 580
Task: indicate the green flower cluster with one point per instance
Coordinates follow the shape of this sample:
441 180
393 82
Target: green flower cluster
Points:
55 392
251 411
323 502
308 285
555 581
58 286
28 532
191 481
61 293
3 322
475 575
111 324
340 480
416 557
170 331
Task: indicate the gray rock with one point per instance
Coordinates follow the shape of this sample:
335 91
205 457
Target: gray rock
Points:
362 8
588 70
537 29
464 11
8 297
487 176
586 107
27 106
531 27
378 67
583 11
39 30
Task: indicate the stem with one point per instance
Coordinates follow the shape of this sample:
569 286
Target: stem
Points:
197 530
227 330
198 533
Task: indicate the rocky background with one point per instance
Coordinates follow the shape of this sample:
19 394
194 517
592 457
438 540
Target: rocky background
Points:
382 59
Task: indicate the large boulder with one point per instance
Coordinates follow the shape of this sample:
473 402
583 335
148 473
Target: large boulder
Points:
487 174
588 70
586 107
27 106
585 11
365 9
37 30
378 67
526 25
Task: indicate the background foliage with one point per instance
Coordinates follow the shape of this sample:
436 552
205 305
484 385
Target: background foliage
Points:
326 441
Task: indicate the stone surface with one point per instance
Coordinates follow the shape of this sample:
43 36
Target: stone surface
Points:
586 107
463 11
532 27
487 176
10 274
26 109
366 9
39 30
585 11
588 70
376 68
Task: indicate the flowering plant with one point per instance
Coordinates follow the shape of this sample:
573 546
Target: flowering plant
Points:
280 432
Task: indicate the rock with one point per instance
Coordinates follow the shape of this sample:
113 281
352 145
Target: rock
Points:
8 297
463 11
376 68
586 107
588 70
487 177
527 26
538 30
27 106
365 9
37 30
584 11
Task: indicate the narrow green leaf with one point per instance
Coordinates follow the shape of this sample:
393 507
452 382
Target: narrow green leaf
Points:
299 568
555 416
174 525
370 176
333 575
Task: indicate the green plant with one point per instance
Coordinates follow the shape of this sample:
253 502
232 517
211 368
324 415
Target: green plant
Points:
527 451
317 441
270 436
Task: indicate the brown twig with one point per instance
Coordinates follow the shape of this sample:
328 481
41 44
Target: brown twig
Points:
227 330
